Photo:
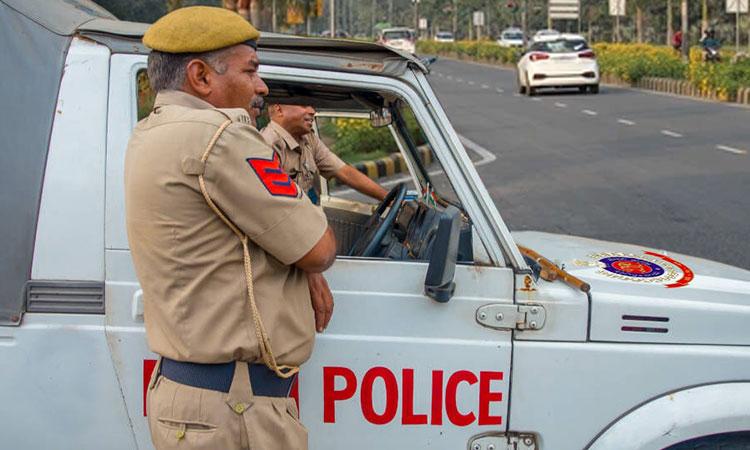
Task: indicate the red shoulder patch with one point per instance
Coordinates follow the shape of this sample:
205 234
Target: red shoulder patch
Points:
276 181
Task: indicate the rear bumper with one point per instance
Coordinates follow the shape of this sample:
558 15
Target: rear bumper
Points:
565 80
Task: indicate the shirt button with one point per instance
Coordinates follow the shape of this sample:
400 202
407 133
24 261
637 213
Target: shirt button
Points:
239 408
180 434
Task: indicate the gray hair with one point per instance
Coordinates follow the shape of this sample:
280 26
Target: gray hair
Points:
167 70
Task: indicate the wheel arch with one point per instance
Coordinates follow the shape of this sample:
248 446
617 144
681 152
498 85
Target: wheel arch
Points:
680 416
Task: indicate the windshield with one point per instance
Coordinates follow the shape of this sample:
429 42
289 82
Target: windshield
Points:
445 35
391 35
511 35
561 46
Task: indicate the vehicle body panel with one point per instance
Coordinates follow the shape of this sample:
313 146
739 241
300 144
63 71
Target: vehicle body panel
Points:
568 392
693 301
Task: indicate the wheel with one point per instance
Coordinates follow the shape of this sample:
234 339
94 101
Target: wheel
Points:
530 91
521 88
583 89
727 441
594 88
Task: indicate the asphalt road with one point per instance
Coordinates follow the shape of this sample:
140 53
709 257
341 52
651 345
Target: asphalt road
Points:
625 165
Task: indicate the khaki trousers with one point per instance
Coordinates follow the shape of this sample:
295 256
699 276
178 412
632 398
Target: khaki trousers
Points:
185 417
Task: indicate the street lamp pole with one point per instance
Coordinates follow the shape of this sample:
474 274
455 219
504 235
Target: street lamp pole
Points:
416 16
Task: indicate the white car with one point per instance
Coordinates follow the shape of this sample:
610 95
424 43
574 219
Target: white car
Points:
511 37
558 62
404 39
444 36
545 34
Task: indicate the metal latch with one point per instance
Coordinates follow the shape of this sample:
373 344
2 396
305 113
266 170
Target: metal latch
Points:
506 441
514 317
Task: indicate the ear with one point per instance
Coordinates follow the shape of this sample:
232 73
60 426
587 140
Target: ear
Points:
198 77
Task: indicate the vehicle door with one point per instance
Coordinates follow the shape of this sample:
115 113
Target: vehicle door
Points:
396 368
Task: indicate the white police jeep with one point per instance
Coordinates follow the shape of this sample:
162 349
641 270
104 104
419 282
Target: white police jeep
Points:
449 332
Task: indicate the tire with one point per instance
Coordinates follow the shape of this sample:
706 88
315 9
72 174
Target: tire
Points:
530 91
583 89
594 88
521 87
727 441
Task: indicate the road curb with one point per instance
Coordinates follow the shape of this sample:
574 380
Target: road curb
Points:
391 164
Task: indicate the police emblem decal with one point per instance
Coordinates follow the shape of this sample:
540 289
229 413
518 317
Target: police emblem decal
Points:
650 267
631 267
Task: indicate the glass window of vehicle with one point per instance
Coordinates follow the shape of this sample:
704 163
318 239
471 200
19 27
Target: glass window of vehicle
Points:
445 35
512 35
396 34
560 46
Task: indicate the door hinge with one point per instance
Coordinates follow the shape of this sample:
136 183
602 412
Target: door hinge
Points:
502 316
504 441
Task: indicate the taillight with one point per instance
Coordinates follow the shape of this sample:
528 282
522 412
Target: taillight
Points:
538 56
587 54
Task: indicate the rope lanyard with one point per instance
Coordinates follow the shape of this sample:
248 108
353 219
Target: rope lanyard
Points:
264 343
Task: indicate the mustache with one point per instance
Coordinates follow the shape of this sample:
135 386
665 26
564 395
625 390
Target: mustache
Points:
258 102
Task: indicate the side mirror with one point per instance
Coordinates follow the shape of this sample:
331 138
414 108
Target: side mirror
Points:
380 118
438 283
429 60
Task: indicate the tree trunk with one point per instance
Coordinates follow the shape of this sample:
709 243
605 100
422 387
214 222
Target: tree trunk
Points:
455 19
639 24
685 30
704 17
173 4
669 22
254 12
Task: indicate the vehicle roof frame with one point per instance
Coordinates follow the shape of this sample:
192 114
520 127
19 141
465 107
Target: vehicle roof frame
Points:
476 201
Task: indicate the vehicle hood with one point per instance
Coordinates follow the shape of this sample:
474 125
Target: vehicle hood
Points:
641 294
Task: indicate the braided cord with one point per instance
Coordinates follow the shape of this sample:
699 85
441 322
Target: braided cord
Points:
264 343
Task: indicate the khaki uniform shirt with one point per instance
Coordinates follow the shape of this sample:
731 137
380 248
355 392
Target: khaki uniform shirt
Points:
305 160
190 263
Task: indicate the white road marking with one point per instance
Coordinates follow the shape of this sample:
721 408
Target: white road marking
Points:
450 77
625 122
671 133
460 80
561 105
536 99
516 94
484 86
590 112
736 151
486 158
471 83
499 91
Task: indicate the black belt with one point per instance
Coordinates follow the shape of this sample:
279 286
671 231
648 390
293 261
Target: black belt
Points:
218 377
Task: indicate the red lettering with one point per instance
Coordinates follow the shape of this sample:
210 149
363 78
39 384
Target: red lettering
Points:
437 397
331 395
148 368
391 396
486 397
451 389
408 417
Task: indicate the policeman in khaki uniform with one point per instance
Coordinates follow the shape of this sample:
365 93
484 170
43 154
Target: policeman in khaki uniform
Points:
226 247
305 157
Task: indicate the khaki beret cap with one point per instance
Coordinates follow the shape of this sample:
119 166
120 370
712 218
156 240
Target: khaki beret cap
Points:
197 29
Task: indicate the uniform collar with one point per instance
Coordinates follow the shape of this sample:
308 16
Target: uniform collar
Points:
180 98
285 135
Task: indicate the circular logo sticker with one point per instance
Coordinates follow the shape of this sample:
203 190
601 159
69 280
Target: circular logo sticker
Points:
631 267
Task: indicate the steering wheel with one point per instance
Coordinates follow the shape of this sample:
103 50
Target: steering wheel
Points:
377 227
